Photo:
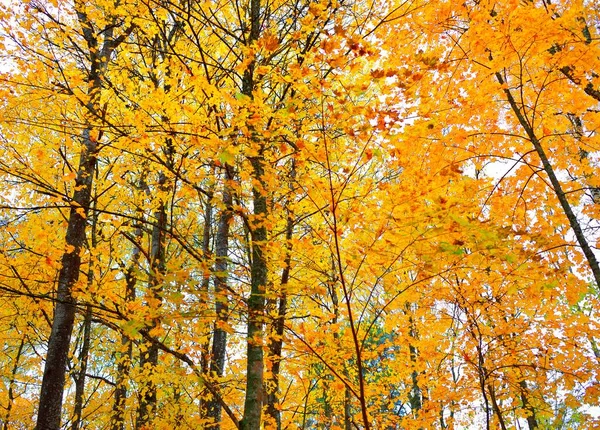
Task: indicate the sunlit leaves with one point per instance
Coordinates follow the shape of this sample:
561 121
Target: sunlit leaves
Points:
389 146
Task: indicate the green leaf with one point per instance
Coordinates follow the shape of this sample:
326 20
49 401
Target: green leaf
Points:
226 157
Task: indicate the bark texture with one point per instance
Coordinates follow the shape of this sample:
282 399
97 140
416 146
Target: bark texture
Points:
149 357
556 185
53 382
256 302
219 346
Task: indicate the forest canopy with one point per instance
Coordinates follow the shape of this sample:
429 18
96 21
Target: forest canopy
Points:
299 214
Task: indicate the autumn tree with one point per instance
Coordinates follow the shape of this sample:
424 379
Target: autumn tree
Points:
313 214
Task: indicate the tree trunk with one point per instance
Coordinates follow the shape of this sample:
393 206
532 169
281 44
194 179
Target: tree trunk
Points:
53 381
275 349
206 253
124 358
83 362
333 417
531 418
149 357
556 185
276 342
415 396
87 328
219 347
256 308
123 367
496 406
347 409
11 384
256 302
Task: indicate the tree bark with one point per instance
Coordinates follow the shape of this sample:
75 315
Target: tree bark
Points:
83 363
256 302
53 381
149 357
415 397
11 384
124 358
87 329
556 185
206 253
531 418
204 291
496 406
219 346
256 308
278 326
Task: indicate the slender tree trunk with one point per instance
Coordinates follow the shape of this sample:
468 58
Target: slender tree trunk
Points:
531 418
486 402
123 368
87 329
335 229
149 357
219 346
496 406
53 381
11 384
275 349
556 185
206 253
83 363
415 397
347 409
256 308
329 410
482 374
276 342
256 302
126 351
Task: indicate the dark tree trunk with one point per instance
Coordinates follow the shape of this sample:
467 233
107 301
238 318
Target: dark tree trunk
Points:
258 271
85 344
123 367
556 185
124 358
276 342
496 406
53 381
206 253
416 395
219 347
256 308
149 357
11 384
531 418
83 363
347 409
275 349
